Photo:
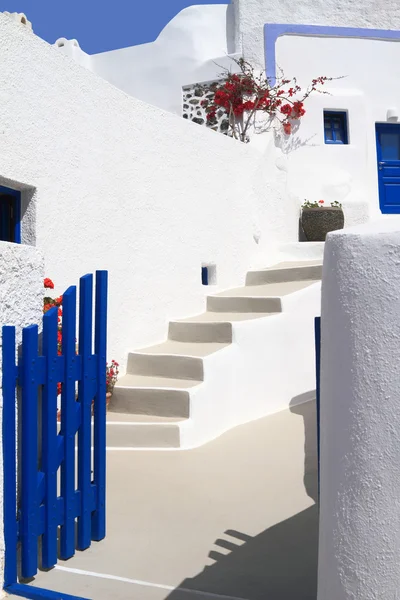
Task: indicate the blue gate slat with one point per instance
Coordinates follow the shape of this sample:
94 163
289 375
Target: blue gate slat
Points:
67 534
59 513
85 396
9 371
99 517
29 452
49 437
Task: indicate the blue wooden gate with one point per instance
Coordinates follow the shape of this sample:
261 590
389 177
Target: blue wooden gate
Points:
49 490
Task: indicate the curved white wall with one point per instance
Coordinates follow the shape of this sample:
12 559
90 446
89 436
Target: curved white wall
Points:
192 48
359 550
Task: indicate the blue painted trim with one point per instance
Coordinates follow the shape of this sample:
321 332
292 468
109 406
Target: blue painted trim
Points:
85 396
49 439
33 593
100 342
331 114
387 209
68 423
204 275
317 331
29 452
9 377
272 31
17 196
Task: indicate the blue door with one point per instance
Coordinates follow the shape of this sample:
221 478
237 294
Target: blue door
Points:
388 154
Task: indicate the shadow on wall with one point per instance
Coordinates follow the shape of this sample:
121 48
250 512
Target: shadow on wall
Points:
281 562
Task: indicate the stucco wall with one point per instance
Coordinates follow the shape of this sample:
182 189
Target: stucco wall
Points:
193 47
251 15
121 185
359 550
21 304
347 173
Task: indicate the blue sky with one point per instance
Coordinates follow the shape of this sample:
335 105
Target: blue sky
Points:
98 25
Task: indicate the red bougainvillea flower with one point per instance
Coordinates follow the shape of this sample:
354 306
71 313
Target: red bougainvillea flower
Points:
48 283
321 201
287 128
286 109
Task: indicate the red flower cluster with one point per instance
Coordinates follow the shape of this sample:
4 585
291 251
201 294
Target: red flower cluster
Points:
48 284
112 372
242 94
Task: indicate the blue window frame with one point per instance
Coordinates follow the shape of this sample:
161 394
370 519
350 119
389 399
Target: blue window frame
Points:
10 215
335 127
204 275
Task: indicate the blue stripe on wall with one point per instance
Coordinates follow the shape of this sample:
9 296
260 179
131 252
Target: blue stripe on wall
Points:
272 31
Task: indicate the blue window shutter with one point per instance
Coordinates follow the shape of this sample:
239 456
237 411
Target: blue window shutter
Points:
335 127
10 215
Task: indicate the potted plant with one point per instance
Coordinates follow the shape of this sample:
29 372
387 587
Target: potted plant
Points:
318 220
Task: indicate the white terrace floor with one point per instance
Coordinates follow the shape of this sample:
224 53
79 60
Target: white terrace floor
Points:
235 519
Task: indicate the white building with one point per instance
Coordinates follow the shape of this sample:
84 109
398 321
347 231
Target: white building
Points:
112 177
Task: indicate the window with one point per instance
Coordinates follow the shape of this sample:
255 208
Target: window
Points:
10 215
208 274
335 127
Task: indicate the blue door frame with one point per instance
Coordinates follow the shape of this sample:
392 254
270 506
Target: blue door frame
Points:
10 215
388 164
38 510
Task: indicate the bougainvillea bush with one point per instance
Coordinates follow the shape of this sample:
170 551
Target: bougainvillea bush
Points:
49 303
244 95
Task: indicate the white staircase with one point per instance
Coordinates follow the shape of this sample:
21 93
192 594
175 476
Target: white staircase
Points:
153 403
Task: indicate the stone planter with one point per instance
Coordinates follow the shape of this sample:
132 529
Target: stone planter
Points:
318 222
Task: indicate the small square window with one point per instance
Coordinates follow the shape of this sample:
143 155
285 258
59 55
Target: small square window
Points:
10 215
208 274
335 127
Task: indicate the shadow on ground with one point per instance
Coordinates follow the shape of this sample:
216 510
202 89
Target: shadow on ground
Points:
281 562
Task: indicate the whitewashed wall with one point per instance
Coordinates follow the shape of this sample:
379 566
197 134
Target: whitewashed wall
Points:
21 304
251 15
359 549
193 47
121 185
346 173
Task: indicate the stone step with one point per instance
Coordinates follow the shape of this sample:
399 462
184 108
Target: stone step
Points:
302 251
157 396
179 360
256 298
209 326
139 431
286 272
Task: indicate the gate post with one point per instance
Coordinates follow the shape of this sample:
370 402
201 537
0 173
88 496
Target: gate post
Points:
359 549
